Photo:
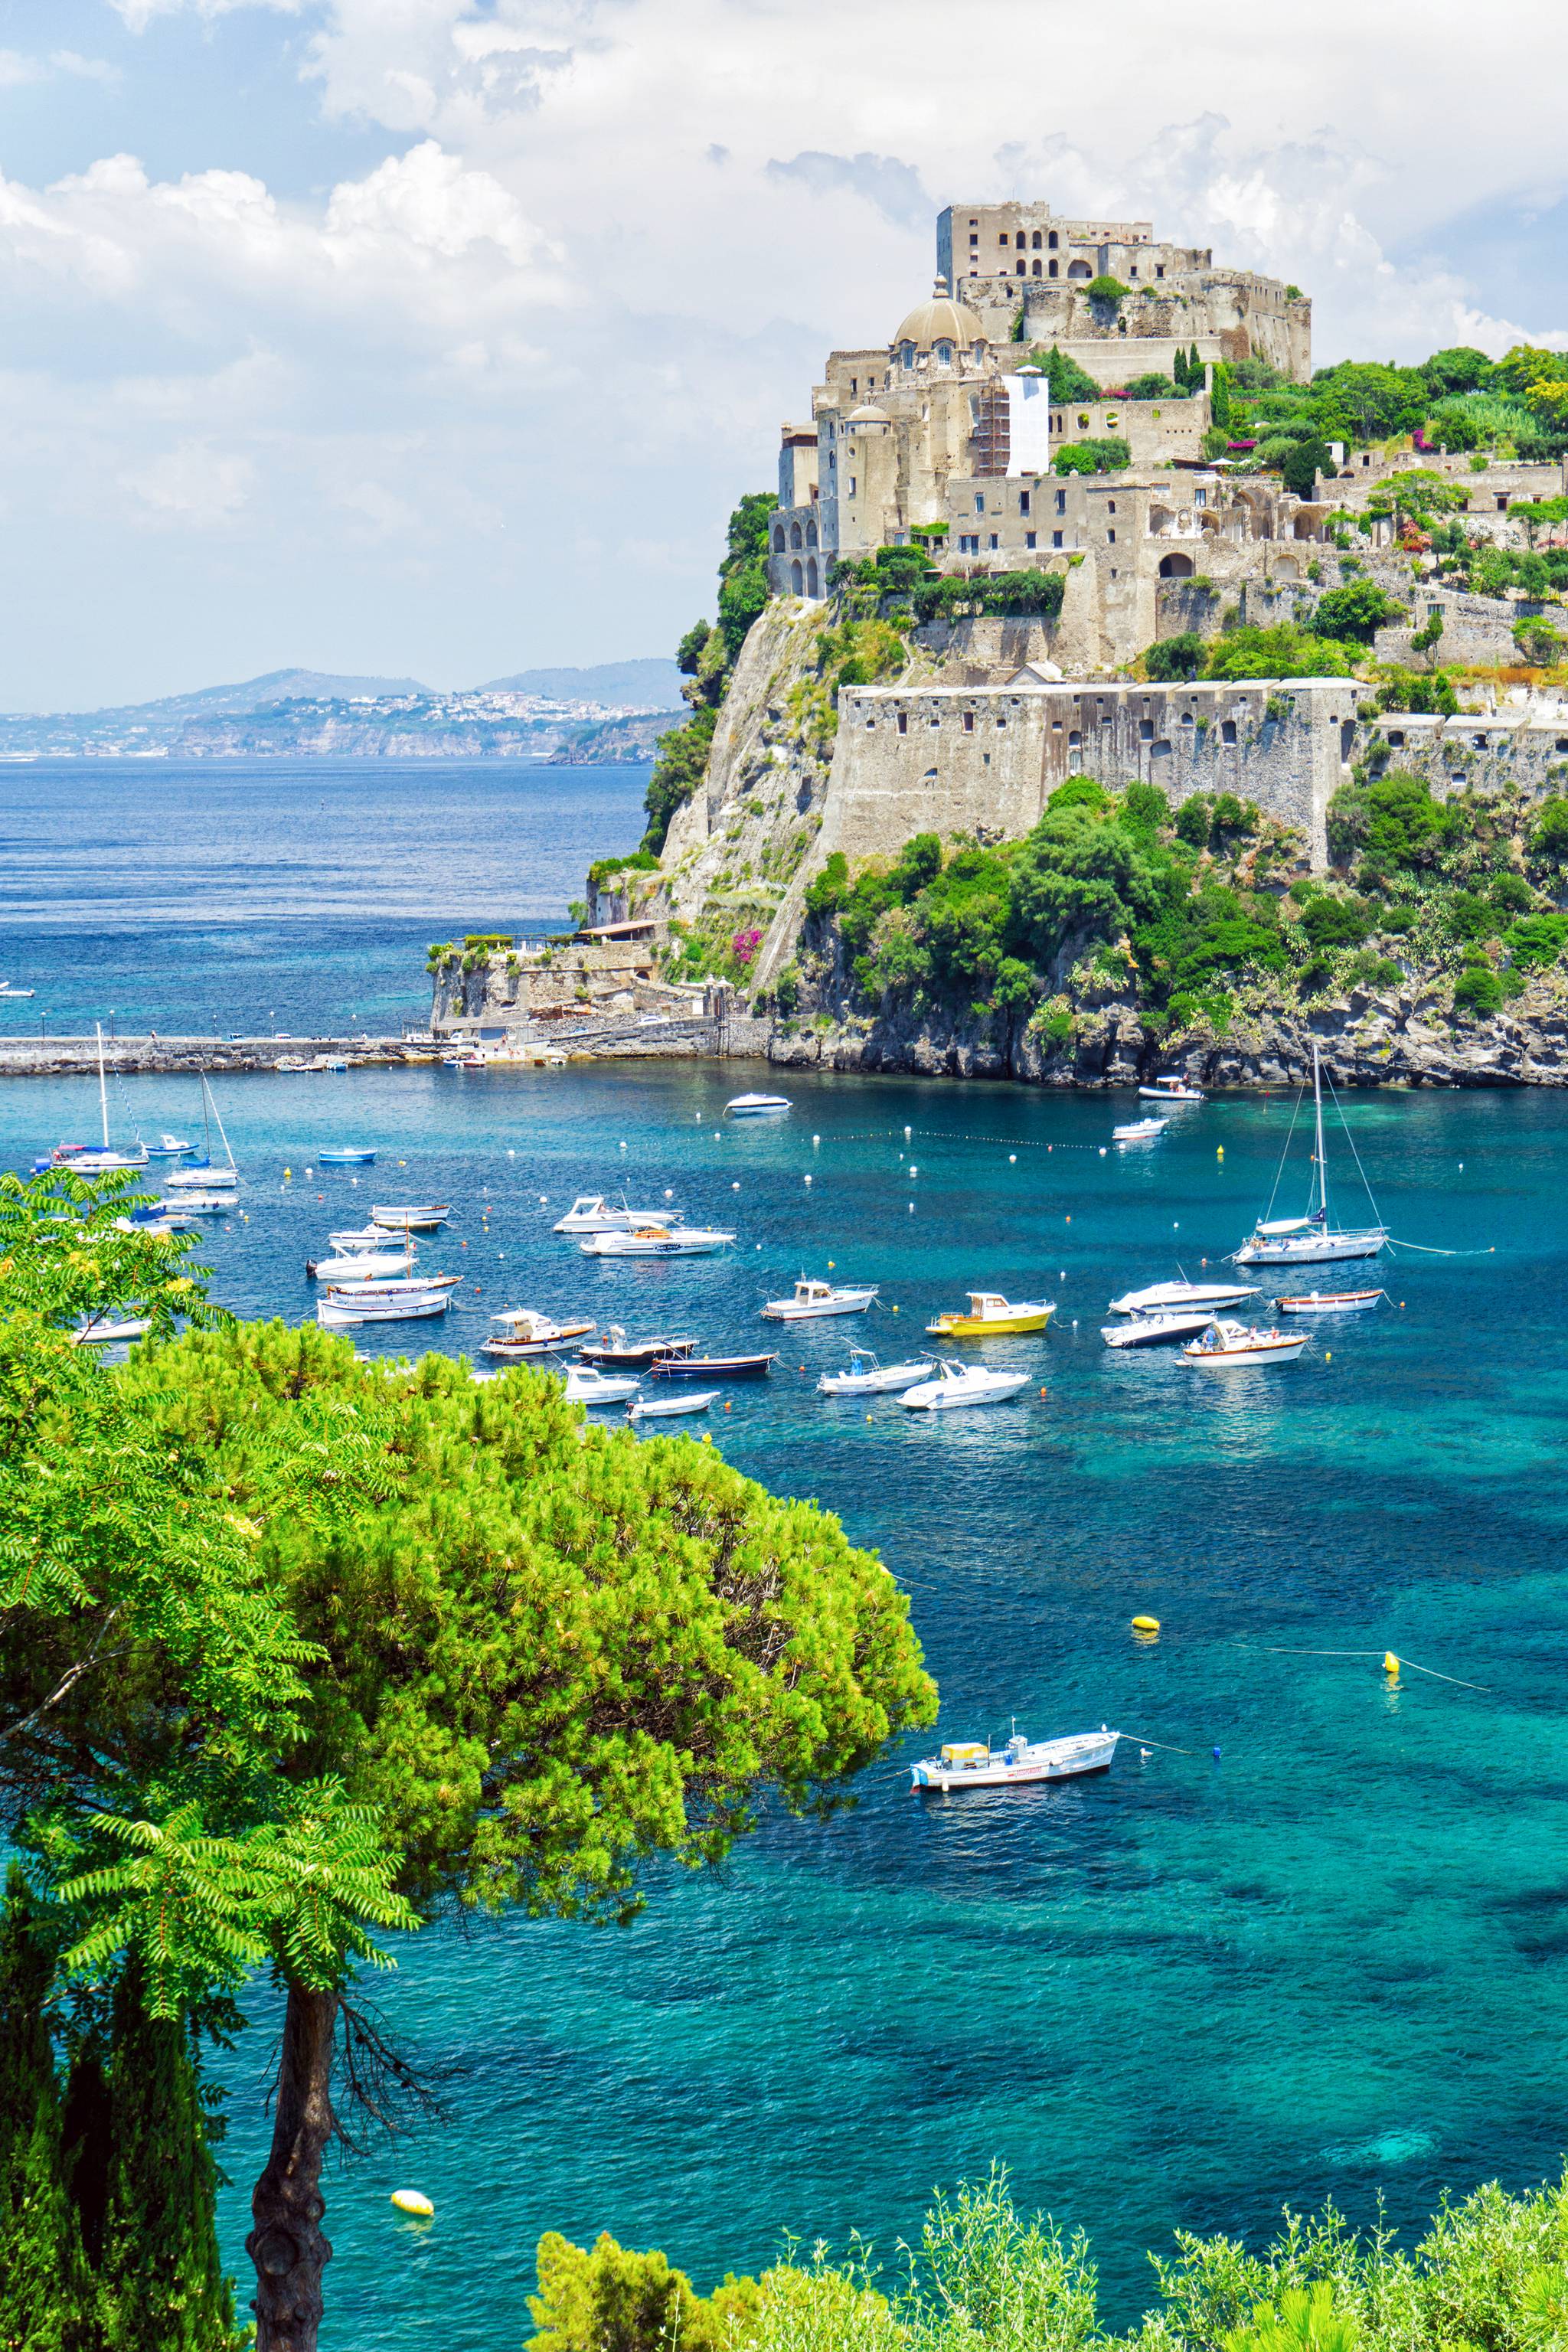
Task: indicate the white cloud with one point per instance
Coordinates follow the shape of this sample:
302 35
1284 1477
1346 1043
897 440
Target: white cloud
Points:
193 484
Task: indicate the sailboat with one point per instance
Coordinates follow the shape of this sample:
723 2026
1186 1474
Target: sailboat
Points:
98 1163
1311 1240
202 1176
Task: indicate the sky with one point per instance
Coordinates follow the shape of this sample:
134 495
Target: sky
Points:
438 337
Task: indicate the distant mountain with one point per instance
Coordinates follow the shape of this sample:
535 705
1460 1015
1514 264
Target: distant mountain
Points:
276 685
650 684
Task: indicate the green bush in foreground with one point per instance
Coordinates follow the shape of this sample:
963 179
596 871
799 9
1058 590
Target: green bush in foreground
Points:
1490 2275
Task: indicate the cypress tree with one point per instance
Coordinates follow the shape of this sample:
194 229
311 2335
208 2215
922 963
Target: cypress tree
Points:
43 2283
161 2282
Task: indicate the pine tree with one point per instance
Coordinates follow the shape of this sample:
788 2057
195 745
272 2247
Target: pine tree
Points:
161 2282
43 2283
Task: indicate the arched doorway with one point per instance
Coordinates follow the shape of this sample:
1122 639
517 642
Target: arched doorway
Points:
1176 567
811 575
795 580
779 540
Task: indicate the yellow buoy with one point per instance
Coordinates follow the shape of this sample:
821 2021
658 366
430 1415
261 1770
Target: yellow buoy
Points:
1145 1625
1390 1664
413 2200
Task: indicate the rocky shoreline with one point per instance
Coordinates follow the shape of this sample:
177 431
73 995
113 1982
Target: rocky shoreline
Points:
1390 1039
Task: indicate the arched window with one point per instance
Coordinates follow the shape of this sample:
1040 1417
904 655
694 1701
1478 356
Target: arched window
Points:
1035 240
811 575
1022 269
1051 240
1054 266
795 534
944 353
1020 240
779 540
810 534
1079 269
906 355
795 577
1037 269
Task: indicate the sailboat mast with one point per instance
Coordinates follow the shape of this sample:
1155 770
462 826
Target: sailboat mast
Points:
1321 1172
102 1089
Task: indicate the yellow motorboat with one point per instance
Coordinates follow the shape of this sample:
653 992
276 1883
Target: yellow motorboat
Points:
989 1316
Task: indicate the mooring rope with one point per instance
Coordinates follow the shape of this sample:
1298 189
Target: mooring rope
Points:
1415 1664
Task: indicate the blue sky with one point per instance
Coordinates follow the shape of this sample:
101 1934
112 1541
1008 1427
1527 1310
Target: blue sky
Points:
439 336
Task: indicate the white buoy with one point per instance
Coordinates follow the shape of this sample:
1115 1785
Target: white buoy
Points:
1012 1159
914 1172
511 1155
816 1139
908 1132
734 1188
808 1179
911 1208
1102 1150
668 1192
623 1146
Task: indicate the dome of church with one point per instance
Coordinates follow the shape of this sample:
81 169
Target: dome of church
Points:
868 413
939 321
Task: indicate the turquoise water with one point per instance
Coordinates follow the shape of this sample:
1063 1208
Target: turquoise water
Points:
1332 1961
258 895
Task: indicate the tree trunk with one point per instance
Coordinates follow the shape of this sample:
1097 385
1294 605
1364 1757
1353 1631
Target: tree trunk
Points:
287 2245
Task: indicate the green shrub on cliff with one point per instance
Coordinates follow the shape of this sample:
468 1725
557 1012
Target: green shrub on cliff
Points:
707 657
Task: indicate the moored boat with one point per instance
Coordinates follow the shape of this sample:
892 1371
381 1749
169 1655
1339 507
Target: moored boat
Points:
346 1155
1159 1296
585 1386
519 1332
169 1147
1171 1090
657 1241
415 1217
867 1377
675 1402
1225 1345
962 1384
992 1317
710 1368
110 1331
203 1179
1160 1329
1310 1240
1139 1130
359 1266
756 1106
813 1298
976 1764
613 1351
338 1312
1330 1302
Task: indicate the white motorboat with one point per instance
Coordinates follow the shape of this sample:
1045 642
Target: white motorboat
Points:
107 1330
359 1266
585 1386
362 1238
7 989
1330 1302
813 1299
348 1155
416 1217
1157 1330
337 1313
590 1213
1161 1295
518 1332
1139 1130
756 1106
657 1241
1310 1240
976 1764
1225 1345
1171 1090
203 1179
169 1147
672 1403
867 1377
960 1384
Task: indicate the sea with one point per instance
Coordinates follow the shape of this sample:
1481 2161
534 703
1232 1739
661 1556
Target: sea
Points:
1307 1940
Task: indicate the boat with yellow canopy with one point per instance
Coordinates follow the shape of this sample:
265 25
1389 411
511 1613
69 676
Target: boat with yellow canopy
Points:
989 1316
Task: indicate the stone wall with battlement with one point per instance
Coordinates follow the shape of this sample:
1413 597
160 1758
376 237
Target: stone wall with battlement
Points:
986 760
